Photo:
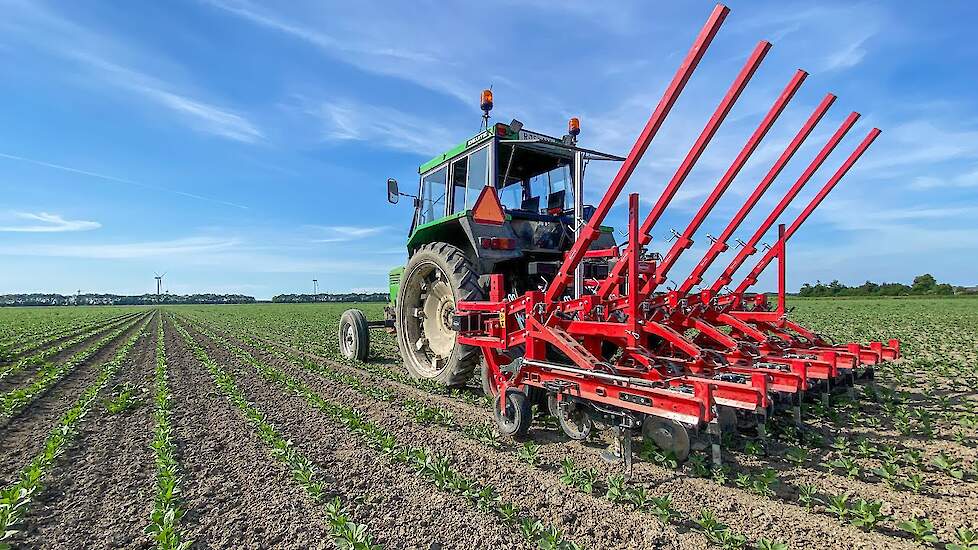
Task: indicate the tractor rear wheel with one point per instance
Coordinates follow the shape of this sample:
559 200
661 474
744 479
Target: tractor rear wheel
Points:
436 277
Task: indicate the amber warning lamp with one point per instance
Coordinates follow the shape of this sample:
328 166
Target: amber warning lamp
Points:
485 102
574 126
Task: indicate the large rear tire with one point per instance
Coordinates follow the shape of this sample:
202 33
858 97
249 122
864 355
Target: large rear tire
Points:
436 277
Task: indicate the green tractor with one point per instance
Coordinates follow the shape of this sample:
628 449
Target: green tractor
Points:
506 201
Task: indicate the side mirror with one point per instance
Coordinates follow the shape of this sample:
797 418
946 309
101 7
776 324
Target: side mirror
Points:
392 194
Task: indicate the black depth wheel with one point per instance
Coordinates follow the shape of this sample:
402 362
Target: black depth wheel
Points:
354 335
573 418
517 417
668 435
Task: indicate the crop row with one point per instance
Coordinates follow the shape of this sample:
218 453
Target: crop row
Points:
167 511
26 344
437 468
311 328
346 533
19 325
585 479
49 374
40 356
16 498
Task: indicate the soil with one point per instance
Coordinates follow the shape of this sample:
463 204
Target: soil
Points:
18 379
22 435
112 459
236 494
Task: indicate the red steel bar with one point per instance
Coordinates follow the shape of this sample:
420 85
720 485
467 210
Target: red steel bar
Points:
720 244
684 241
633 282
782 278
733 93
591 231
816 200
749 246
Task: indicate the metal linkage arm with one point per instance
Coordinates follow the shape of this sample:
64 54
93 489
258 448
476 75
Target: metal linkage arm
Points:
816 200
733 93
684 241
749 247
591 231
720 244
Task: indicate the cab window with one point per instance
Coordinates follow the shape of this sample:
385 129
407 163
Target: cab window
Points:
468 178
433 188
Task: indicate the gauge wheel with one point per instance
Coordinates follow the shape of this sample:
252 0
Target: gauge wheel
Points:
668 435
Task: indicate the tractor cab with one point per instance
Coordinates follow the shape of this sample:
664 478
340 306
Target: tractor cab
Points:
535 179
506 201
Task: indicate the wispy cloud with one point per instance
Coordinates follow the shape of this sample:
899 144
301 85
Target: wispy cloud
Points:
115 179
966 179
199 115
101 59
120 251
345 233
346 120
849 55
44 222
376 48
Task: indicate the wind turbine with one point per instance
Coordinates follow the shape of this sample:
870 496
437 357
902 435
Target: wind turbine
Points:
159 284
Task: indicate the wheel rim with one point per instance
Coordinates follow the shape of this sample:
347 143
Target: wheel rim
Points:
668 435
348 338
429 306
574 421
507 418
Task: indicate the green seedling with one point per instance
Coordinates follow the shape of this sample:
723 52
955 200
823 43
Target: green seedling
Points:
865 514
964 539
838 505
922 530
124 398
529 453
807 495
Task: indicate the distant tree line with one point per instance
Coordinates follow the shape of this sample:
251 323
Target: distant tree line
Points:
923 285
118 300
350 297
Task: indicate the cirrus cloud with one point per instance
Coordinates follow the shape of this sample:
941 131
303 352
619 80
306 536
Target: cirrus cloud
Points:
44 222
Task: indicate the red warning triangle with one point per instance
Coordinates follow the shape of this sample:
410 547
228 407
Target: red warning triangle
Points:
487 208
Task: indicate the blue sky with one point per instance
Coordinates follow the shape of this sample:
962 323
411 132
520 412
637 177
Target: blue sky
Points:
243 147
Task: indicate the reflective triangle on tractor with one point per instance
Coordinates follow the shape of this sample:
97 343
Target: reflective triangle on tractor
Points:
487 208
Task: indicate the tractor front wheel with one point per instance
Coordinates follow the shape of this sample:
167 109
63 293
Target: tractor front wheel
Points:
354 335
436 277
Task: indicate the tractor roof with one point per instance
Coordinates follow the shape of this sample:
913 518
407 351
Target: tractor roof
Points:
529 139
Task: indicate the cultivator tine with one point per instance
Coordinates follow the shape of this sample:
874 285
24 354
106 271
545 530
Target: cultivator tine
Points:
750 247
727 103
591 231
684 241
715 434
751 278
720 244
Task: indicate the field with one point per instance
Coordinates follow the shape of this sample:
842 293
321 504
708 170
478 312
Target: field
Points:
240 427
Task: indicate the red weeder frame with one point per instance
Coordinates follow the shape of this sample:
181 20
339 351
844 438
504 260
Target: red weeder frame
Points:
544 339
